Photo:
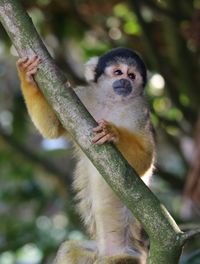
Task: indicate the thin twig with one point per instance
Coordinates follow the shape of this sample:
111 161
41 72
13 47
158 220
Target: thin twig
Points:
189 235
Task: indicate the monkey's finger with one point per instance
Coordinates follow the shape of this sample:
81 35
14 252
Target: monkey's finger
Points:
106 138
30 61
98 136
24 63
33 65
21 61
97 129
103 125
103 122
31 72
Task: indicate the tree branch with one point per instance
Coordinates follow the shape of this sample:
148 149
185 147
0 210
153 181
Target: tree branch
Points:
189 235
161 228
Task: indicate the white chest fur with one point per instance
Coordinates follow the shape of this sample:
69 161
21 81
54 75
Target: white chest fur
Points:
129 113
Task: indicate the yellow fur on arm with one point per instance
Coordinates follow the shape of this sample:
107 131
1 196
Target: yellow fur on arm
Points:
138 151
40 111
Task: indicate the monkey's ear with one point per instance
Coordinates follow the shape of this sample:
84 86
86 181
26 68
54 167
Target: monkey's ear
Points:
90 67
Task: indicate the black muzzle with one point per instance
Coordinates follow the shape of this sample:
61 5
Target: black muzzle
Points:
122 87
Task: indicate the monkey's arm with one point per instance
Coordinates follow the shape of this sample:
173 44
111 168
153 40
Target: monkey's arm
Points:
137 149
39 110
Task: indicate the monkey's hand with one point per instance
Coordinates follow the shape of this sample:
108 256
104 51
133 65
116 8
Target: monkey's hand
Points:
105 132
27 67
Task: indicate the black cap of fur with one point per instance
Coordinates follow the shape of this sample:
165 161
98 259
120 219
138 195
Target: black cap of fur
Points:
112 57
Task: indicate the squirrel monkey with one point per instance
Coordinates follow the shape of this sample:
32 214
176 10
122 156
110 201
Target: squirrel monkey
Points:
115 98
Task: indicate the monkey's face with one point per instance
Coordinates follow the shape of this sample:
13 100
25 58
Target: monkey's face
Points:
121 81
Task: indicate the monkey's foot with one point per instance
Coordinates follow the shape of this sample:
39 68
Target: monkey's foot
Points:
27 67
119 259
76 252
105 132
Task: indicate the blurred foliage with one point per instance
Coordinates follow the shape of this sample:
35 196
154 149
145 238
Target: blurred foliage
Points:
36 204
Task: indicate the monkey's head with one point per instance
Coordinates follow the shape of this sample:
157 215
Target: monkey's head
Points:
118 73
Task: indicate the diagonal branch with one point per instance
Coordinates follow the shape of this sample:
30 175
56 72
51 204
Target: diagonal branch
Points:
189 235
156 220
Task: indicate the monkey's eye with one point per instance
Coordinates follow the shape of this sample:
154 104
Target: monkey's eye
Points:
118 72
131 76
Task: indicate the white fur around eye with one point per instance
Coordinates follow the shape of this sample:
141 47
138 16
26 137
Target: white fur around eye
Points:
90 69
109 70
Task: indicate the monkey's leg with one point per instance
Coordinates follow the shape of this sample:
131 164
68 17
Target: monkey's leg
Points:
106 218
76 252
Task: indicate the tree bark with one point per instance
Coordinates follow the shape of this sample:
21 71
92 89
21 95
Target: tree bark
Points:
166 239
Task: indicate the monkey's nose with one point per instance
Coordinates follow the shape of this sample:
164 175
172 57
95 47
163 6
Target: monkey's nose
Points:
122 87
124 82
